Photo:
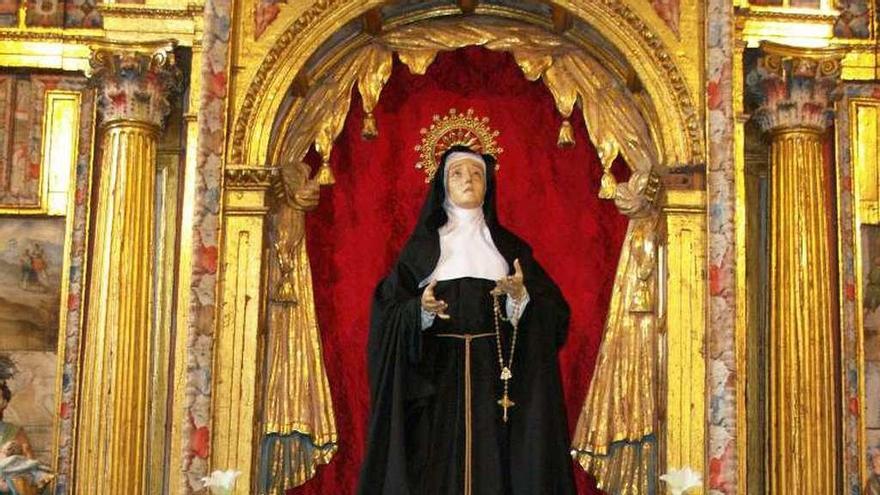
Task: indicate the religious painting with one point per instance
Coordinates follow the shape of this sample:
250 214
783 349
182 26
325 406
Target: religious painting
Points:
669 11
8 13
21 120
871 325
8 7
871 293
854 20
265 11
31 261
82 13
45 13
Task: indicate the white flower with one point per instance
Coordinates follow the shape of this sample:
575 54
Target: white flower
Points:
681 480
221 482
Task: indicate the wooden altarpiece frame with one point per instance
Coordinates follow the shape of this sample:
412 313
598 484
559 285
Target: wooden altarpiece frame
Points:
660 283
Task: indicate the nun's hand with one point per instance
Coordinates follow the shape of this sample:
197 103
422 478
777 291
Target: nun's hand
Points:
432 304
512 285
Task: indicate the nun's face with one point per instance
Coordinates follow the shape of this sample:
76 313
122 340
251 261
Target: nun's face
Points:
466 184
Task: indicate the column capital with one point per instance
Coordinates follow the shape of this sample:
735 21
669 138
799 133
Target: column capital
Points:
791 87
248 188
134 80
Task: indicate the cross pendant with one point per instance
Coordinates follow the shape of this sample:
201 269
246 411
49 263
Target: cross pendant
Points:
505 404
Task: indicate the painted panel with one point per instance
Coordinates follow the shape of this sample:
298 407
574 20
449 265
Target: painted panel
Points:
859 283
45 13
21 112
31 260
873 486
265 12
54 13
669 11
8 13
871 328
854 20
42 260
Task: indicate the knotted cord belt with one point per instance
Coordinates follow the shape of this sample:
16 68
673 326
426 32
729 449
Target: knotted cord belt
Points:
468 427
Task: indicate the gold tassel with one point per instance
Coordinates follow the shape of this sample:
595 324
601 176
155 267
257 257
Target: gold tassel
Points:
284 293
566 135
325 175
370 130
608 187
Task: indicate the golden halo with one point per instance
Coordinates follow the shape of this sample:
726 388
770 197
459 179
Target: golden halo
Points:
455 129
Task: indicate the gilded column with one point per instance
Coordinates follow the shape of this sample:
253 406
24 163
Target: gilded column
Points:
133 84
793 88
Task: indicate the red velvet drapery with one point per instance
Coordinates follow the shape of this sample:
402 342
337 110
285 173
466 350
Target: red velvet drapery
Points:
546 195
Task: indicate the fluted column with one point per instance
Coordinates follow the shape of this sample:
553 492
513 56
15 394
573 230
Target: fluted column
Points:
133 84
793 88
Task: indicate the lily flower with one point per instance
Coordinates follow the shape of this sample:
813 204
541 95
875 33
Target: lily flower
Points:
680 481
221 482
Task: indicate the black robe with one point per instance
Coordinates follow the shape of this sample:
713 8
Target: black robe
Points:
418 423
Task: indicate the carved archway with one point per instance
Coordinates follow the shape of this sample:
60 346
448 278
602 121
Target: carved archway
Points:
620 122
609 30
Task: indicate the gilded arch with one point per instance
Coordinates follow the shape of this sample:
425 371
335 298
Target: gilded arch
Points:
620 453
674 113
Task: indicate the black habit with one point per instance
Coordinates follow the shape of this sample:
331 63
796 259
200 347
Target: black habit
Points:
435 426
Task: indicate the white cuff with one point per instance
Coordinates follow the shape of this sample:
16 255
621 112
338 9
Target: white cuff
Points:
427 319
510 307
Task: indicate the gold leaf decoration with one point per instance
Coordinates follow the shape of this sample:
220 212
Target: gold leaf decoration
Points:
465 129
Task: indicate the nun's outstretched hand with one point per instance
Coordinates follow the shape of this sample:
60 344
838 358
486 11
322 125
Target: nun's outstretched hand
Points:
433 305
512 285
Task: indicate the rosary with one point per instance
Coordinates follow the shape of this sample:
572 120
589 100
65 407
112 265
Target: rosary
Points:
506 374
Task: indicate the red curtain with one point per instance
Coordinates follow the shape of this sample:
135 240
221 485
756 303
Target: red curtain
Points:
546 195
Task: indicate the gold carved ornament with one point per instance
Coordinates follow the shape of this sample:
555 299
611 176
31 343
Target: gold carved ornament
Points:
613 120
680 136
299 392
465 129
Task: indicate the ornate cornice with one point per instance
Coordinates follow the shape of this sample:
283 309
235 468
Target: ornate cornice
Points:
250 177
52 35
138 11
788 16
134 81
794 87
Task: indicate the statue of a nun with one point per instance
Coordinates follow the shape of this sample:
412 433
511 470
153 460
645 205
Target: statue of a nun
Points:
464 377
